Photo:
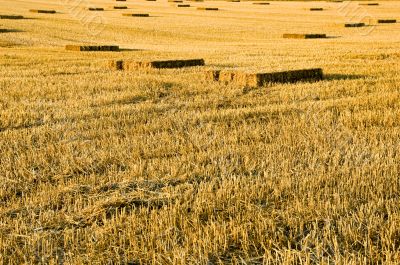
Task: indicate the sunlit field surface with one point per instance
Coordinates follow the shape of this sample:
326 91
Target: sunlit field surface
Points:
166 167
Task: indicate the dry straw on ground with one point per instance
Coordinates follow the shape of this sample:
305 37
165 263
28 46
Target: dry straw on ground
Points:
163 167
92 48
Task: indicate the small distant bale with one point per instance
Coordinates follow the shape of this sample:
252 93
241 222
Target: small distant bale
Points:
136 15
261 3
233 1
42 11
120 7
354 25
208 8
169 64
11 17
304 36
369 4
262 79
183 5
316 9
91 48
96 9
175 1
386 21
335 1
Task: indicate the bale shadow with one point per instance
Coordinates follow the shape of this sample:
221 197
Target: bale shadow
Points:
131 50
11 30
331 77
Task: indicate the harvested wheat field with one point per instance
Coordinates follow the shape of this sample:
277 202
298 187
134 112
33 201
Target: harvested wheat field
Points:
293 159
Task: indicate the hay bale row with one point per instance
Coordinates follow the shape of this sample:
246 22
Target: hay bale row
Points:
120 7
316 9
11 17
183 5
42 11
91 48
354 25
261 3
385 21
262 79
369 4
4 30
136 15
304 36
96 9
208 8
169 64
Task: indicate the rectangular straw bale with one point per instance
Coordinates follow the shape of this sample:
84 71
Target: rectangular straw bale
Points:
165 64
96 9
383 21
354 25
91 48
136 65
42 11
304 36
208 8
261 79
136 15
11 17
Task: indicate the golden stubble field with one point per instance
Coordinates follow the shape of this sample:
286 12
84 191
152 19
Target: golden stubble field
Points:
165 167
